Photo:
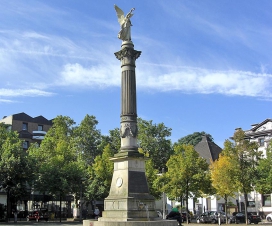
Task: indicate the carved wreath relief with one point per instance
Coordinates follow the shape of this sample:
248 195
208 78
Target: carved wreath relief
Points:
128 130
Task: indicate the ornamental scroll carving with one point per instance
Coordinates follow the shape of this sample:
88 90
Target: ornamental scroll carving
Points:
127 53
128 130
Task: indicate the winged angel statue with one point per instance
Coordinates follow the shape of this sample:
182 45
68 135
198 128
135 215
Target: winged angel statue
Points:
125 23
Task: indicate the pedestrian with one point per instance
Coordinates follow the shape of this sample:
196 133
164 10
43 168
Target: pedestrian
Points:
15 216
175 215
96 212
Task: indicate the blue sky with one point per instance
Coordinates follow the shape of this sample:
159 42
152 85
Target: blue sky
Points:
205 66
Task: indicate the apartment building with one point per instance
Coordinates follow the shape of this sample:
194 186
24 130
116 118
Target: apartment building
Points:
262 134
30 129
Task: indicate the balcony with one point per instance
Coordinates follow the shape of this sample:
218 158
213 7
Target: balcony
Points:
38 135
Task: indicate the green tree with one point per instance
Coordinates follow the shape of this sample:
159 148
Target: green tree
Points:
113 139
153 140
16 169
187 175
246 156
264 172
100 173
59 166
223 171
87 138
152 176
194 139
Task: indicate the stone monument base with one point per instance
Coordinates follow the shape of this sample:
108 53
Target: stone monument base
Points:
130 223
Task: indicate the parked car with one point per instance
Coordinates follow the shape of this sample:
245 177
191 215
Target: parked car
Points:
269 217
184 217
211 217
37 215
231 218
251 218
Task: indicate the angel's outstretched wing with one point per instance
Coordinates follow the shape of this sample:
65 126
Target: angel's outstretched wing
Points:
120 14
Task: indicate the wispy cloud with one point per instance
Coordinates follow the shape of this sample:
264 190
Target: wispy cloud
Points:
23 92
51 59
68 62
96 76
6 101
199 80
162 78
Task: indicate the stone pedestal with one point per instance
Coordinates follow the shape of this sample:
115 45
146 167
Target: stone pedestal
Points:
129 197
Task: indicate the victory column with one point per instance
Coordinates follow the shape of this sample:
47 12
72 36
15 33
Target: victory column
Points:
129 202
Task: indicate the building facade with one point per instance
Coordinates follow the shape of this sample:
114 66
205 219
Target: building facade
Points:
30 129
262 134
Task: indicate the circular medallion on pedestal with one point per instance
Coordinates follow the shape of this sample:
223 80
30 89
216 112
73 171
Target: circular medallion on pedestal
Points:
119 182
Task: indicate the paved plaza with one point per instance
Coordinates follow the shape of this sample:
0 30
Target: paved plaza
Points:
33 223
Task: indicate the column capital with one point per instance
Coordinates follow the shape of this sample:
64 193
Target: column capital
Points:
127 53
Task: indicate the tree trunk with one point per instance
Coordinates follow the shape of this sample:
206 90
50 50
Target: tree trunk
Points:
226 207
187 210
246 201
8 206
60 206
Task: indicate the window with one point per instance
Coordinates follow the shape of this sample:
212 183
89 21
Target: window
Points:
266 200
261 142
40 127
25 145
251 203
25 126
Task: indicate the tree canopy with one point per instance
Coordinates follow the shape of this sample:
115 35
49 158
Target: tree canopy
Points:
246 156
16 168
153 139
58 164
187 175
223 173
264 172
194 139
87 138
100 173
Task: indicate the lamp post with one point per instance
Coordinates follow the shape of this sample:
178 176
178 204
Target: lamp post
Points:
163 198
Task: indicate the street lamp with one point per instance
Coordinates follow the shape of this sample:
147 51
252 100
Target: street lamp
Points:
163 198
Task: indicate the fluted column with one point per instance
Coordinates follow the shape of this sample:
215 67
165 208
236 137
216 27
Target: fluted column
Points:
128 130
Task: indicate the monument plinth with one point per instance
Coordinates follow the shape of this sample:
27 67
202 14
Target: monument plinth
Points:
129 202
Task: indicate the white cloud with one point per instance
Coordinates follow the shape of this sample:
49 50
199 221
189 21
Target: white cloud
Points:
23 92
96 76
197 80
164 79
6 101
